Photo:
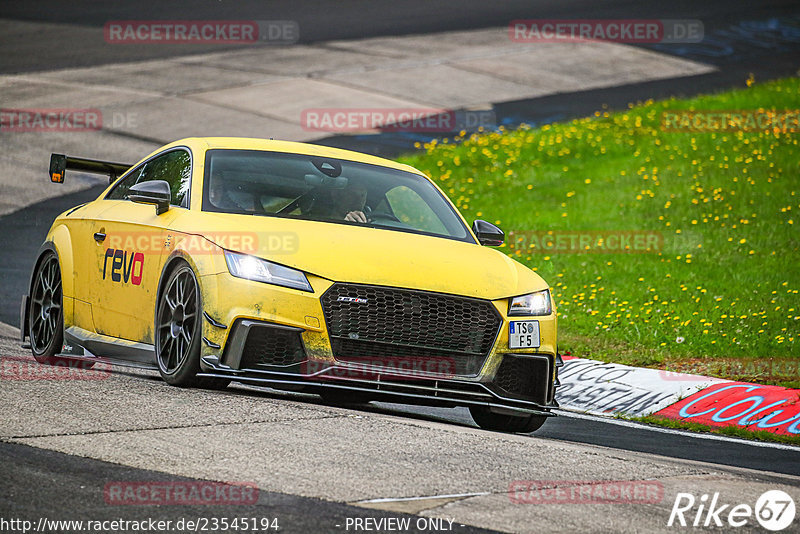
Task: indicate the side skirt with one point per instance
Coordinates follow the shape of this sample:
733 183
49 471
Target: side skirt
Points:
78 342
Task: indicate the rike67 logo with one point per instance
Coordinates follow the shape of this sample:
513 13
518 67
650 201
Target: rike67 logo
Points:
774 510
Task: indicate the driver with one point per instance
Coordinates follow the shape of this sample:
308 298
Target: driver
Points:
220 196
349 203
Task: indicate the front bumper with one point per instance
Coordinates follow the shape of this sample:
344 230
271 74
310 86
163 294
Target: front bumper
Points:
398 389
277 337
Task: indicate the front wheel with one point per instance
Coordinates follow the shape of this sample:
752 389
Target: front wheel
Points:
488 420
45 315
178 331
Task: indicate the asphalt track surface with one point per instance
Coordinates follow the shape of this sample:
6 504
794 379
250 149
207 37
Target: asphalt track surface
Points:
742 38
37 483
50 483
29 50
59 486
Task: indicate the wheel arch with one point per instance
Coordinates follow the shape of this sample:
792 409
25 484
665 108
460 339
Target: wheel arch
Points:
169 265
47 247
177 257
58 243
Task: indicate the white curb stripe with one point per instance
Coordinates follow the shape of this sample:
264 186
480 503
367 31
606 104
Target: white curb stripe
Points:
609 388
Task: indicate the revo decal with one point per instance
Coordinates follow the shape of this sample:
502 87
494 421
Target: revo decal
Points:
125 266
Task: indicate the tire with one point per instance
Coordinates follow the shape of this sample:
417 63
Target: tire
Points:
178 329
45 316
488 420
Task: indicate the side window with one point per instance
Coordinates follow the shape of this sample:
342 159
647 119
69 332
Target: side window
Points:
410 209
174 167
120 192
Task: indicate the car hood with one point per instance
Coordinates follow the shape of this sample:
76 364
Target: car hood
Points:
359 254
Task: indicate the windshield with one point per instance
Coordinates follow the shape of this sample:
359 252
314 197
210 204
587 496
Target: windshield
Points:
326 189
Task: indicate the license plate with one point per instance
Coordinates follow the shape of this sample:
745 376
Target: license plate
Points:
523 334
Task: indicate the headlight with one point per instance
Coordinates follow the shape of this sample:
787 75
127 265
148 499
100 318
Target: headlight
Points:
531 304
252 268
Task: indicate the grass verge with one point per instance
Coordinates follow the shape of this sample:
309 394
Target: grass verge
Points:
716 276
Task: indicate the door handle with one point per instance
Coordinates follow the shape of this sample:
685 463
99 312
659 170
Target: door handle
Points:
99 237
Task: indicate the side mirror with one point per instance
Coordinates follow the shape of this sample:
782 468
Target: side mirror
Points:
153 192
488 234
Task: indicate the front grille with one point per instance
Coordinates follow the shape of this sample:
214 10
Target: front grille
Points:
382 322
526 377
272 346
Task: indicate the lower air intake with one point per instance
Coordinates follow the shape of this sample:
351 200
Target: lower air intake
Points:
272 347
525 377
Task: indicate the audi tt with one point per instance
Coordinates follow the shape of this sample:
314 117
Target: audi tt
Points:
296 267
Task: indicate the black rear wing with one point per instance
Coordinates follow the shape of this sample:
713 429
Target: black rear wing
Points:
59 163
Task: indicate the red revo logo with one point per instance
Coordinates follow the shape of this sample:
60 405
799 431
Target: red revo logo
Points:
125 266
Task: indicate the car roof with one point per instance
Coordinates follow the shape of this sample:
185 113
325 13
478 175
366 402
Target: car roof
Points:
290 147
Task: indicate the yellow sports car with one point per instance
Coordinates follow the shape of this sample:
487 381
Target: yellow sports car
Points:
298 267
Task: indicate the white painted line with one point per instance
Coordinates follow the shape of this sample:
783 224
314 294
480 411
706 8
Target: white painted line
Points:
641 426
401 499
